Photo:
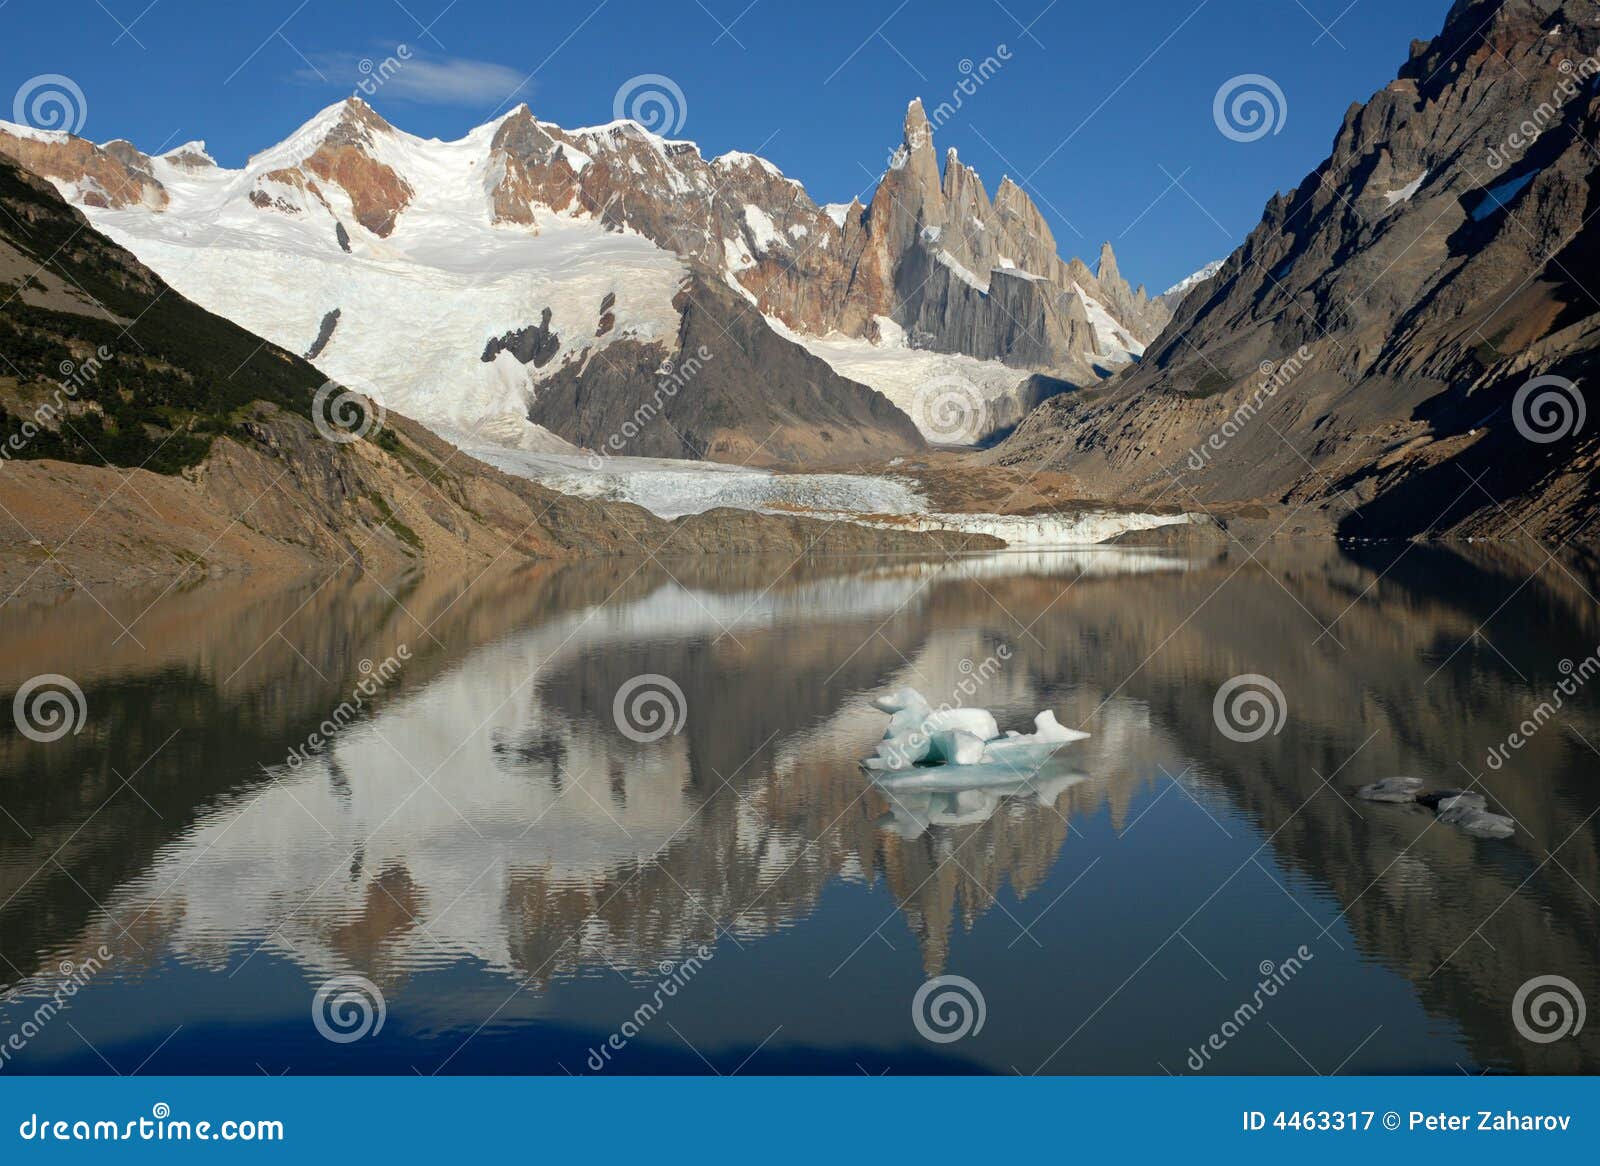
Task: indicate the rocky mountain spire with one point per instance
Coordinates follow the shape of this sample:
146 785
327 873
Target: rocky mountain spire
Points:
909 198
966 235
932 253
1106 267
1024 236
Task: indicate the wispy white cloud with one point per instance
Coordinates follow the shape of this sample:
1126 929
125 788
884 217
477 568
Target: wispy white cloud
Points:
407 74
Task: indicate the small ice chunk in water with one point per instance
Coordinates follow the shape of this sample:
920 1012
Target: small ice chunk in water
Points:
920 735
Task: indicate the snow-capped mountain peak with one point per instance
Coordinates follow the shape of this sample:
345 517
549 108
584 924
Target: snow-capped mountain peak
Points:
452 279
1174 294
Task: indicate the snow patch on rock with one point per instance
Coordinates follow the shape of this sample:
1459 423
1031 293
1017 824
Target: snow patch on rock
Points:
1404 193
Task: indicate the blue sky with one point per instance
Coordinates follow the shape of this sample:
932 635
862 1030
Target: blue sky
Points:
1103 111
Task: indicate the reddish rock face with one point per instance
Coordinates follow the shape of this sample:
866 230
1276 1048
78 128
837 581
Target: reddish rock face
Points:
263 196
345 159
115 175
820 272
534 171
931 252
377 192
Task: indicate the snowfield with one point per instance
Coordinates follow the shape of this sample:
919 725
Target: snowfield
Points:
901 372
406 319
417 309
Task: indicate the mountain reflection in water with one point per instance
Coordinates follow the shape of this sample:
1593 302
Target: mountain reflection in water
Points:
515 873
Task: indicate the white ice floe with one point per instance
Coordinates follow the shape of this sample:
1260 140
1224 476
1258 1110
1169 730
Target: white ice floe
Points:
945 748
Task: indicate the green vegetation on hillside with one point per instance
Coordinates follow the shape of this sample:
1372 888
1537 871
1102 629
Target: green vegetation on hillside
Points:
151 388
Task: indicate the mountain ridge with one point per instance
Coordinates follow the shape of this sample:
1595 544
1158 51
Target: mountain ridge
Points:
1380 348
348 183
144 437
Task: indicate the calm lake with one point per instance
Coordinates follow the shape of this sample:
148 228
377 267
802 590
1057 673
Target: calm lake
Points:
482 866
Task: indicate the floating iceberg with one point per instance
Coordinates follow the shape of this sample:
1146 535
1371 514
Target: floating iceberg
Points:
922 739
